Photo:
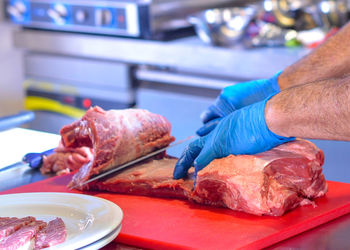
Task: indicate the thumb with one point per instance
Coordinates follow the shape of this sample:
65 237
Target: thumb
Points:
188 156
208 127
209 114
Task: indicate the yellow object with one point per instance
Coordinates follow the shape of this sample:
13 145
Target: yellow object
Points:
41 103
50 87
280 9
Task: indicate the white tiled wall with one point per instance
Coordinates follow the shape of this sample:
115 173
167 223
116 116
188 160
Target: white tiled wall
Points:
11 76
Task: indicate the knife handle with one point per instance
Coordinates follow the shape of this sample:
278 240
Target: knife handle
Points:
35 160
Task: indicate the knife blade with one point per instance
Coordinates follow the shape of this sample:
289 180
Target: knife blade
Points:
130 163
32 160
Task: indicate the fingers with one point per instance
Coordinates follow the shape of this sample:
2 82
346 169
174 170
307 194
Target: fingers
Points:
223 106
206 155
187 158
210 114
208 127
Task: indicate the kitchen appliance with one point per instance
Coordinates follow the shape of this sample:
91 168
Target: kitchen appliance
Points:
60 86
150 19
177 224
60 89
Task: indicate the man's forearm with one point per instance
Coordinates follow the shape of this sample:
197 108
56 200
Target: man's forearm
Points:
319 110
330 60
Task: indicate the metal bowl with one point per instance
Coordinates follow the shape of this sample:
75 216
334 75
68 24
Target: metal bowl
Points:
308 14
333 13
224 26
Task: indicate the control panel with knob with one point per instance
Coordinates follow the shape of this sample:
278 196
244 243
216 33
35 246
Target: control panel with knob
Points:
104 17
80 16
58 13
94 16
18 11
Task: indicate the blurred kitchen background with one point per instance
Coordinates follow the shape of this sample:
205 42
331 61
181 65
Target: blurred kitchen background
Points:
59 57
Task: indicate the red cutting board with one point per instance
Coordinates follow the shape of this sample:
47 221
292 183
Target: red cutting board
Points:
169 223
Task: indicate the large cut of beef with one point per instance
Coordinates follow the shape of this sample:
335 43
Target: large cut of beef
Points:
116 137
268 183
7 220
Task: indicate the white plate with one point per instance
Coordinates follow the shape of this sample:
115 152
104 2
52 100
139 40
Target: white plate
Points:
104 241
88 219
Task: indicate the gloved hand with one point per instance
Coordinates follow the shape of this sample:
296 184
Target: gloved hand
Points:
235 97
242 132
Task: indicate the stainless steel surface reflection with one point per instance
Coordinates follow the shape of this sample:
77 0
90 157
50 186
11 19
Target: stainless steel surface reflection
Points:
333 13
308 14
222 27
19 176
332 235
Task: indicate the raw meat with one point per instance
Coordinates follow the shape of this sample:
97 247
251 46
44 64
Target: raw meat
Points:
9 228
116 136
268 183
6 220
55 233
150 178
22 236
66 160
24 233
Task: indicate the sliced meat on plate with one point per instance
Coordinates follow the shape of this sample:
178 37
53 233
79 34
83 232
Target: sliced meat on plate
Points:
55 233
23 236
9 228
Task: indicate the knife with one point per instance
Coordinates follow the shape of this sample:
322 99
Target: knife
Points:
130 163
32 160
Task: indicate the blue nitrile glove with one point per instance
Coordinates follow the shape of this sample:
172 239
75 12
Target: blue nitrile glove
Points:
235 97
241 132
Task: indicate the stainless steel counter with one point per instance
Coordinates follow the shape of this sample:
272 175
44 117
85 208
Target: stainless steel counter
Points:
187 54
14 144
332 235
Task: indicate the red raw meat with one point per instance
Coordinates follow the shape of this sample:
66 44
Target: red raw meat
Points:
268 183
22 236
55 233
7 220
149 178
116 136
9 228
66 160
